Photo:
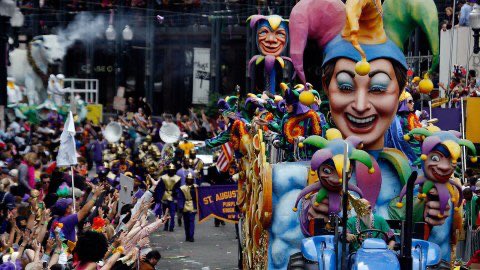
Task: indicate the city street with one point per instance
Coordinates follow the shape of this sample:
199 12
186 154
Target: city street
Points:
214 248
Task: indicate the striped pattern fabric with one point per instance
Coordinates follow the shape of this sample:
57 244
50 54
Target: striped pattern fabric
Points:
225 158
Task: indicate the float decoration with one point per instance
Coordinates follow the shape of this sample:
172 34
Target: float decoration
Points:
257 204
448 143
331 154
272 39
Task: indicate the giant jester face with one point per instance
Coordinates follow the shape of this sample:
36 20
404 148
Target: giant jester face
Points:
271 42
438 167
364 105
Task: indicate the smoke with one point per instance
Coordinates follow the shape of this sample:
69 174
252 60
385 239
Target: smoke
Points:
85 28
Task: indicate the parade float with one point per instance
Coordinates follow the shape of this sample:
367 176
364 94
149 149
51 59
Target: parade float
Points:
37 94
319 198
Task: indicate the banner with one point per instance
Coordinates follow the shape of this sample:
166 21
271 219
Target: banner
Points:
472 115
201 75
67 153
217 201
448 118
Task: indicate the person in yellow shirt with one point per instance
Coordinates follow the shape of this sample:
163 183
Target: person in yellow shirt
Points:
186 146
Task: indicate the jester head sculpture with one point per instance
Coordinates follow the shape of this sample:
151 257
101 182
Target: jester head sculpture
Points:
440 152
328 163
292 100
272 33
360 30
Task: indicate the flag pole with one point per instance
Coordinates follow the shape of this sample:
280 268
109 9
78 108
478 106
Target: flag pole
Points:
73 190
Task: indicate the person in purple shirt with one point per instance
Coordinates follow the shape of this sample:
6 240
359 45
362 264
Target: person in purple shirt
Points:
63 209
97 147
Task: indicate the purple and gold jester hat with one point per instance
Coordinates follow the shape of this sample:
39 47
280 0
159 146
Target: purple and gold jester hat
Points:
332 152
292 97
449 143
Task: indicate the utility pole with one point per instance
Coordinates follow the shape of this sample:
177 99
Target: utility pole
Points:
216 48
150 52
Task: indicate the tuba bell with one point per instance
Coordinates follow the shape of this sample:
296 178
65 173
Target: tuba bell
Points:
170 134
113 132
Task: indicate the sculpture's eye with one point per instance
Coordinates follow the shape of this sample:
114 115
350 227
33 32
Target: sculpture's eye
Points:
46 48
435 158
327 170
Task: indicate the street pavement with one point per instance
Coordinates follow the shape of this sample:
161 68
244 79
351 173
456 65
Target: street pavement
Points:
214 248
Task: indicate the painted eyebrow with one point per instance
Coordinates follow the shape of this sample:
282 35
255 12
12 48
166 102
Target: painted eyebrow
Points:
349 72
377 71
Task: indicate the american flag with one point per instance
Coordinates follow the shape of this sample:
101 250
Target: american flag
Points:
225 158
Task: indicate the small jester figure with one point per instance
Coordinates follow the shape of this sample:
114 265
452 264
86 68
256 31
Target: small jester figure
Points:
236 133
299 121
315 103
405 121
272 39
166 192
440 152
323 198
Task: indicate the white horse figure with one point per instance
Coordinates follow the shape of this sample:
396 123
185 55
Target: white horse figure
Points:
30 67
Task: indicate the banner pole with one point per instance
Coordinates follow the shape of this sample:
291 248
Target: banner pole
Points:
73 190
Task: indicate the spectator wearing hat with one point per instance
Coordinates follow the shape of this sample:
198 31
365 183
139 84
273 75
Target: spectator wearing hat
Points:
65 215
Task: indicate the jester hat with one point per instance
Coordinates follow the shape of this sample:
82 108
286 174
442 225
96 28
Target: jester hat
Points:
451 140
333 149
403 99
356 30
291 97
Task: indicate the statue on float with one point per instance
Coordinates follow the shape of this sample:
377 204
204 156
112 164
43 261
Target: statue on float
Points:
323 198
271 39
440 153
31 67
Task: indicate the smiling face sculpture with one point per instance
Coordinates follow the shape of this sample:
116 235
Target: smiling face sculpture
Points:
272 34
440 152
363 105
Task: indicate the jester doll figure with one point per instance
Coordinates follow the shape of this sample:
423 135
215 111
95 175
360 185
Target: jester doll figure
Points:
236 133
323 198
271 39
298 121
440 153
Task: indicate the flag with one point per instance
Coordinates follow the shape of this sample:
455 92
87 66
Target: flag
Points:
225 158
67 154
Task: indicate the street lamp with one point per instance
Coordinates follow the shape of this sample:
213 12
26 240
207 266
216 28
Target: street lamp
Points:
110 33
127 33
475 25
